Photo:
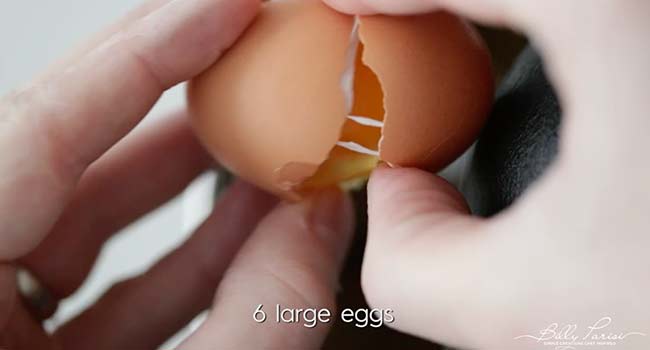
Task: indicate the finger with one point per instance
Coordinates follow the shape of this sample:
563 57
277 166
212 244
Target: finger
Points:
60 126
144 9
427 260
532 16
140 173
484 10
538 19
141 313
568 33
293 259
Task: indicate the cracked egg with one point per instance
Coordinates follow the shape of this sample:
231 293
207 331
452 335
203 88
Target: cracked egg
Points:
310 98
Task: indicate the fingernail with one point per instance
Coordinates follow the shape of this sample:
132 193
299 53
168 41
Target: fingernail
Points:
331 216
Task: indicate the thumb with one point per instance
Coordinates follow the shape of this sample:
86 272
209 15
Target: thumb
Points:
293 261
410 193
427 259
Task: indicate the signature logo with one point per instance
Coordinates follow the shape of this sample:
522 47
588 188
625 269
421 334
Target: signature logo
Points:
570 336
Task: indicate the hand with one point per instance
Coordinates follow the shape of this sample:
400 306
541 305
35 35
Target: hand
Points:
574 249
67 183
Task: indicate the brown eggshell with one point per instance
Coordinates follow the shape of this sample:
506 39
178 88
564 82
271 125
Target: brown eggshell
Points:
271 109
437 83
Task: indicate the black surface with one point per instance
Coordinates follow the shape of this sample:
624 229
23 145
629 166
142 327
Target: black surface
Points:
519 141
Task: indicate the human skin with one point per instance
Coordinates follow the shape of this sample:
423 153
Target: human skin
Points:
72 174
574 248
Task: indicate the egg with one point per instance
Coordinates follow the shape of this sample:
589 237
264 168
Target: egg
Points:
309 97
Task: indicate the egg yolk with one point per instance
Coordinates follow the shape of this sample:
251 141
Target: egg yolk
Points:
356 154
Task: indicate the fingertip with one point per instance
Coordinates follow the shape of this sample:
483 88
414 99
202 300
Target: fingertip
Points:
388 7
403 193
354 7
386 181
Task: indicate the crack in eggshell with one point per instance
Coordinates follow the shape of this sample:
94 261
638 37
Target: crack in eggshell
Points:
364 60
440 107
291 176
275 131
282 132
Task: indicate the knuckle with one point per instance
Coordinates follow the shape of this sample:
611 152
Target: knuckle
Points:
33 115
288 283
304 285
